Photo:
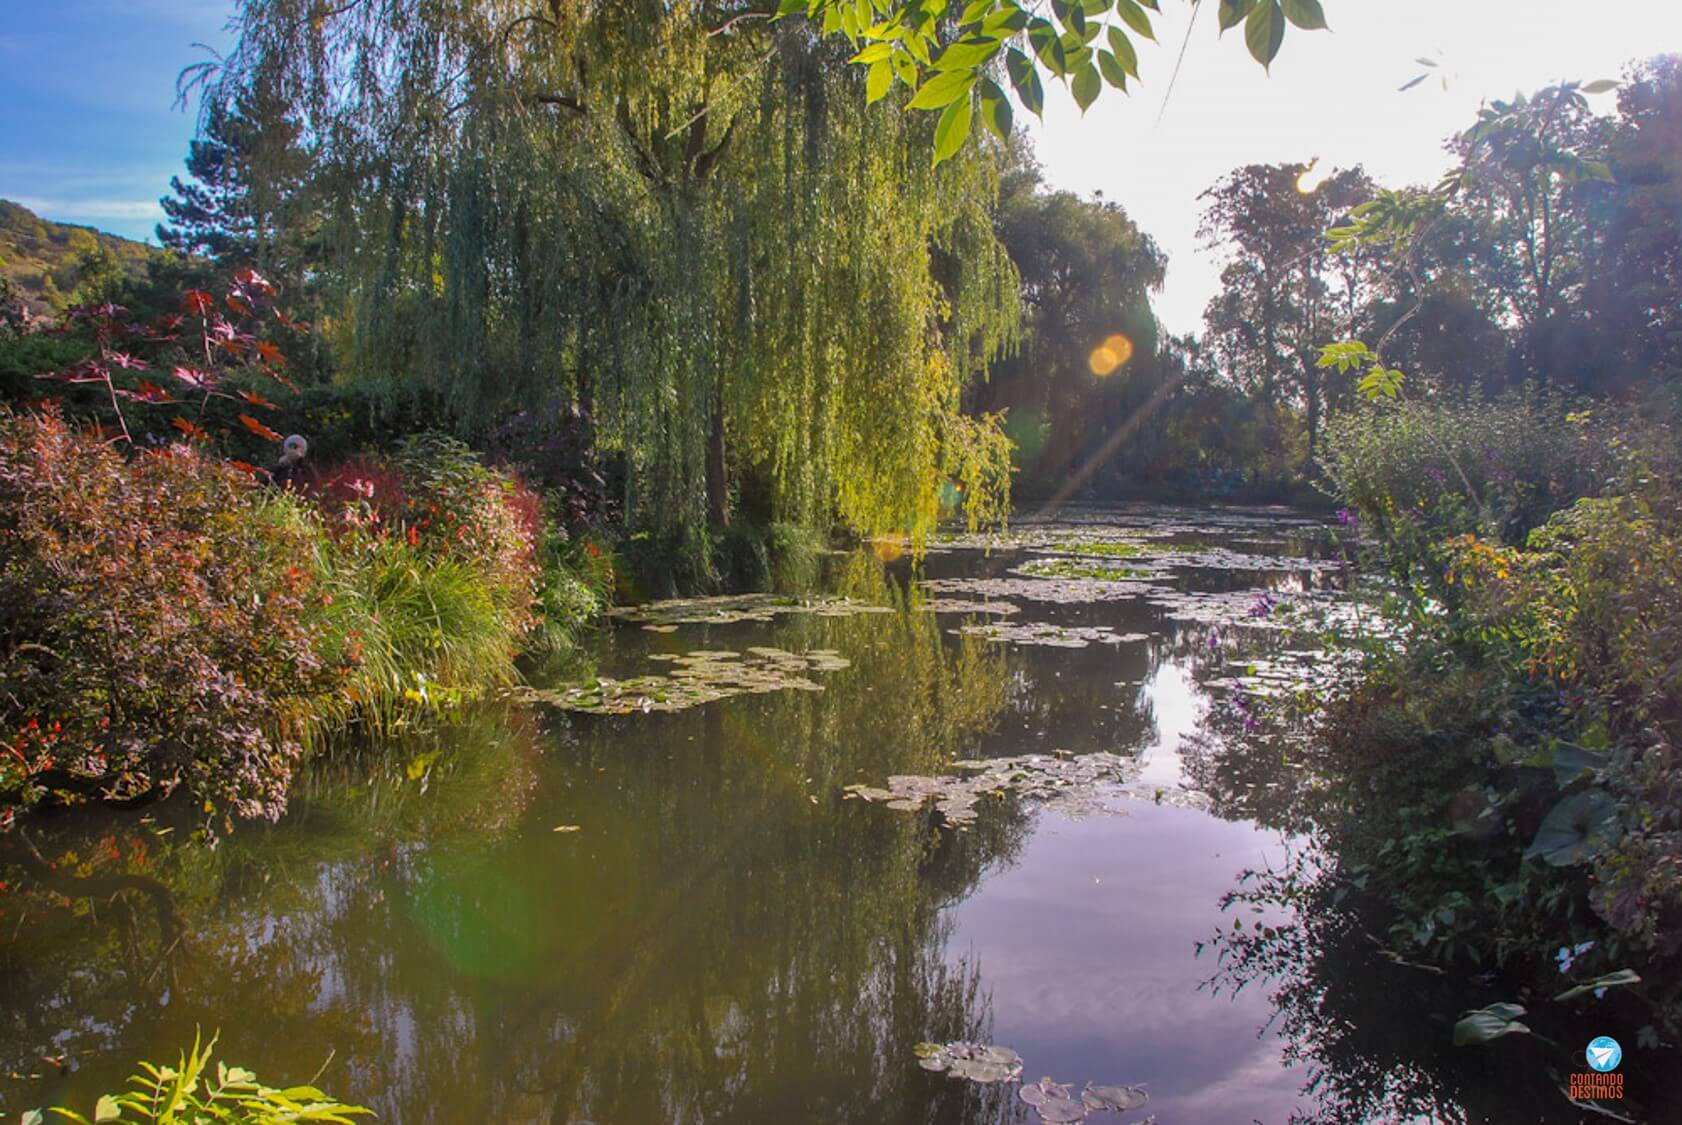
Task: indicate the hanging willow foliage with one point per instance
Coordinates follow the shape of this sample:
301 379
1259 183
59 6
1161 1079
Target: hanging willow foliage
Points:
681 216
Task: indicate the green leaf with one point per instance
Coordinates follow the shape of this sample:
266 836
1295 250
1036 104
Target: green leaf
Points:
906 67
1264 31
107 1109
1610 980
1134 16
789 8
1486 1024
1570 762
1048 46
1306 14
1086 86
1599 86
952 130
995 109
976 12
1124 52
1005 22
1576 829
943 89
1025 79
1112 70
32 1117
878 81
1233 12
967 54
874 53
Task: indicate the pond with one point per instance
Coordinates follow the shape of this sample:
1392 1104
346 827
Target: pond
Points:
722 868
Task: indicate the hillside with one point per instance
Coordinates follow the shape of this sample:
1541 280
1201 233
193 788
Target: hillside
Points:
47 261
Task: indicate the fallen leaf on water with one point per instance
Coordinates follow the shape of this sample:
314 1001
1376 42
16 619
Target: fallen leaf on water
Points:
569 828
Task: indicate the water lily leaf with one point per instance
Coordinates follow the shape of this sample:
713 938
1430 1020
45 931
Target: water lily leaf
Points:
1485 1024
1576 829
980 1070
936 1063
1610 980
928 1050
1059 1110
1116 1098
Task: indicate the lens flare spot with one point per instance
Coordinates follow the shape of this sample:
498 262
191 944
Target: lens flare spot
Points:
889 547
1311 179
1109 356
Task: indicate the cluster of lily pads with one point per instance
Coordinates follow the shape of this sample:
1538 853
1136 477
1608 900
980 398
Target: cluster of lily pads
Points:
696 677
730 609
1055 591
1052 636
1073 786
1080 568
1056 1104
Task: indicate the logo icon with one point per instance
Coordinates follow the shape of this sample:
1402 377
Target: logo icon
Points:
1604 1053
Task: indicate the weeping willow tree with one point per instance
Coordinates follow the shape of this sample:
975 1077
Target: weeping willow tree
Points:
679 215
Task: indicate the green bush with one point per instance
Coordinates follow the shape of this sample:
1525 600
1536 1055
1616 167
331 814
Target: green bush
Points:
1418 473
186 1094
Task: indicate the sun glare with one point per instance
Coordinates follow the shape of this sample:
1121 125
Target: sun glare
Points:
1112 354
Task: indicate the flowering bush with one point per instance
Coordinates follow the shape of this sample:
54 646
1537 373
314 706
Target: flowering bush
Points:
156 625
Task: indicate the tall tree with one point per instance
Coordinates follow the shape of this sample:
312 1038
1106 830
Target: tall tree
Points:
1087 274
242 203
1284 293
686 219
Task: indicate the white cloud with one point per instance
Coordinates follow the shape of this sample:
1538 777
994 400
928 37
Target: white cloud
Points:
92 210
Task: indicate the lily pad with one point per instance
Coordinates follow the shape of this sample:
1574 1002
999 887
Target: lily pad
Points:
1054 1102
1117 1099
977 1062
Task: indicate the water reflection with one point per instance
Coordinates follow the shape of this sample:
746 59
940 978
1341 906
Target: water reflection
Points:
717 935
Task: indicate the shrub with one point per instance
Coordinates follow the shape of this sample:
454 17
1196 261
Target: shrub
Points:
156 623
1420 472
186 1094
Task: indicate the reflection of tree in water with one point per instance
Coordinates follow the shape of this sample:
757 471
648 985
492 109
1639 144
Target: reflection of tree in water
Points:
711 943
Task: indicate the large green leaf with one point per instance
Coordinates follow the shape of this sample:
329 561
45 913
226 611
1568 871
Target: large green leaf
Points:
1306 14
1134 16
1124 52
1610 980
877 80
1486 1024
1086 85
1112 70
1576 829
1264 31
943 90
1026 81
1233 12
995 109
952 130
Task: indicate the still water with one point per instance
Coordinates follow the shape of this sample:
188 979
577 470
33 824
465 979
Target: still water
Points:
680 914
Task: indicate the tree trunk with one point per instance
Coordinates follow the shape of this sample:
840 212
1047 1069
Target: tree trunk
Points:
718 485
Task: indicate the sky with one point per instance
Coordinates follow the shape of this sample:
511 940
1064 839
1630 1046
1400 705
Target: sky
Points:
90 135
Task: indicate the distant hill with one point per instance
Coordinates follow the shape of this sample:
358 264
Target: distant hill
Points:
47 262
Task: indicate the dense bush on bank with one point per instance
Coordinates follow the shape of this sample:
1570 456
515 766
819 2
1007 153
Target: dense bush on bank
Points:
1508 787
168 622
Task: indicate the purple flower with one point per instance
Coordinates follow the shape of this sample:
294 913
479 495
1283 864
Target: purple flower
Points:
1434 473
1346 517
